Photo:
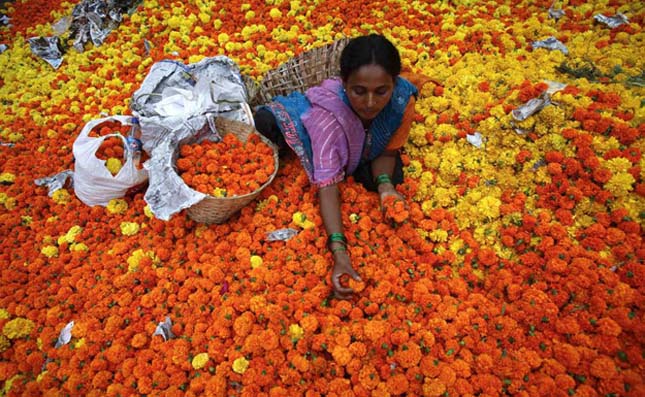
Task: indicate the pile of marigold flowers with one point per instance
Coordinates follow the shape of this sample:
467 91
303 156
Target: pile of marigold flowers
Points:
229 167
517 270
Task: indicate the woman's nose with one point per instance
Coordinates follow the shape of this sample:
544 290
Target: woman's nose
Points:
370 100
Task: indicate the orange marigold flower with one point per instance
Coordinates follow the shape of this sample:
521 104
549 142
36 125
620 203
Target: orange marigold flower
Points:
342 355
603 367
397 384
139 340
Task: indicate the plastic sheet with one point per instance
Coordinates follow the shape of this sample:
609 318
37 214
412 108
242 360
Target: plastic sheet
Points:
475 139
551 43
47 48
65 335
56 182
3 48
93 20
164 328
281 234
612 22
555 14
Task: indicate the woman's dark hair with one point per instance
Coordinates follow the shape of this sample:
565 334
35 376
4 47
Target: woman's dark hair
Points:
372 49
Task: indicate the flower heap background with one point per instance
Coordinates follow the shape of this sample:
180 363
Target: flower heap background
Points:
518 269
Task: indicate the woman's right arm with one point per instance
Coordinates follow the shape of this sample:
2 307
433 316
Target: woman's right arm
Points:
330 212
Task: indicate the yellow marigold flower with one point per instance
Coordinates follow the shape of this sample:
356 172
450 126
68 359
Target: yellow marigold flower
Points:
4 314
354 218
129 228
240 365
49 251
135 258
117 206
618 165
41 376
78 247
415 169
256 261
296 332
61 196
439 235
70 236
478 273
300 219
79 343
5 343
200 360
16 137
219 192
148 212
7 178
275 13
205 18
489 207
223 38
113 165
620 184
17 328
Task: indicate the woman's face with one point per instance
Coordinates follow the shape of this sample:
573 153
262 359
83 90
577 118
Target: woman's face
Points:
369 89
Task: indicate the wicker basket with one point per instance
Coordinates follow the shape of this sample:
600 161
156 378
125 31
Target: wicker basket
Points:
219 209
298 74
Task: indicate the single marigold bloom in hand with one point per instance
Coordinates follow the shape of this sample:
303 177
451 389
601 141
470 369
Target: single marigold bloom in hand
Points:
395 209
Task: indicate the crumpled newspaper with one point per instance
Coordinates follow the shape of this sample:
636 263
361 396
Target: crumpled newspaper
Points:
93 20
47 48
555 14
167 193
534 105
56 181
65 335
281 234
531 107
612 22
184 99
551 43
164 328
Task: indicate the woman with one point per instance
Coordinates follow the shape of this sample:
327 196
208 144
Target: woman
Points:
354 126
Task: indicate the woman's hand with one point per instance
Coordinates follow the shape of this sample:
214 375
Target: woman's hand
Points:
386 190
342 266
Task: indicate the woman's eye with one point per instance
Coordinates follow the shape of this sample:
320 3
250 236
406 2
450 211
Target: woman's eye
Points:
382 92
359 91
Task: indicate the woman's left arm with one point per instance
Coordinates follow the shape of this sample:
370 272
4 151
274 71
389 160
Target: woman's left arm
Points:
384 164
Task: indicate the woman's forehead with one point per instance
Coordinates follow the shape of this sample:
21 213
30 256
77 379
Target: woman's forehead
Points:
370 76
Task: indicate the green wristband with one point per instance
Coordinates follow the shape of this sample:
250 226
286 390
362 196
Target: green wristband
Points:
383 178
336 238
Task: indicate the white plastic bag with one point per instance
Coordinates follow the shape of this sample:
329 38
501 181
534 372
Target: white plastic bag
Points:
93 182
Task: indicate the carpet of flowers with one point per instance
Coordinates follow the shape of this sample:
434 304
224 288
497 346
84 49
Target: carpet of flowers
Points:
517 268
